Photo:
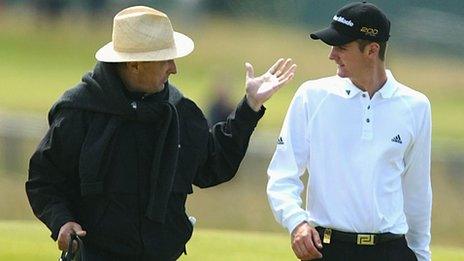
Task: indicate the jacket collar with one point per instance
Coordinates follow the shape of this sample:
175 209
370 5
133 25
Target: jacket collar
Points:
102 91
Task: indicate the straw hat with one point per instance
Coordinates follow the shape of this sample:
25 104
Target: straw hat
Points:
142 33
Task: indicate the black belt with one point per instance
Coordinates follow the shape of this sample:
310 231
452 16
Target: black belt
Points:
329 235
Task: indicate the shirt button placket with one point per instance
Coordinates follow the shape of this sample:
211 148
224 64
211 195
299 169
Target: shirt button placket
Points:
367 133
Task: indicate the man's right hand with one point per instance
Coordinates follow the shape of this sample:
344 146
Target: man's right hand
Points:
306 242
65 234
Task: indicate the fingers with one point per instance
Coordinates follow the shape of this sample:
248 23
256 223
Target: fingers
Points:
249 70
62 242
281 69
78 230
317 239
288 75
284 68
297 249
311 245
65 234
290 70
300 249
305 244
310 250
276 66
286 79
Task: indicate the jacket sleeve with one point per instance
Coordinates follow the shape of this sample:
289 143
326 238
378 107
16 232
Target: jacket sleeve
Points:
288 165
227 145
53 184
417 189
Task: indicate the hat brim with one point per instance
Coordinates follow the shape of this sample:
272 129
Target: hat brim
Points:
331 37
183 46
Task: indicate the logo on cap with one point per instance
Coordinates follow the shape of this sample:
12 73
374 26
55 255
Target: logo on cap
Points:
369 31
343 20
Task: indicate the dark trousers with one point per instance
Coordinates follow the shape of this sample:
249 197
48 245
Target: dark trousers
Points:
395 250
96 254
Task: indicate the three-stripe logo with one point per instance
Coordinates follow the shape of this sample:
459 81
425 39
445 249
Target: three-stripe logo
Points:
397 139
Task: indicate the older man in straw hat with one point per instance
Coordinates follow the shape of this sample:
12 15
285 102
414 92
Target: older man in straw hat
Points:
124 146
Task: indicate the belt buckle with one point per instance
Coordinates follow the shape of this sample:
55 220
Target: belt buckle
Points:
327 235
365 239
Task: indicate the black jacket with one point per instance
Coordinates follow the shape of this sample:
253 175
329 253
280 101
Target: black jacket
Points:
121 164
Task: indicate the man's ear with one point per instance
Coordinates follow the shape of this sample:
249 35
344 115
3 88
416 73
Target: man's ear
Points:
133 67
373 49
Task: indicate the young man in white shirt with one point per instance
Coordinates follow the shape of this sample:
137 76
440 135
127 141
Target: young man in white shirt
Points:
365 140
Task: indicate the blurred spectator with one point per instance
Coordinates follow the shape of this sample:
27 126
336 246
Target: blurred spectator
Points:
220 106
50 9
95 7
223 7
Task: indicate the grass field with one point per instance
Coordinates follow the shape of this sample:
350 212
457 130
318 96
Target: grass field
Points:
26 240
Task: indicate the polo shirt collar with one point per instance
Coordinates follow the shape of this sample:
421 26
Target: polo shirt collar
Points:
350 90
389 87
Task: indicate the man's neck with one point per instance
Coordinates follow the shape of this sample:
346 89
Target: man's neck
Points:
372 80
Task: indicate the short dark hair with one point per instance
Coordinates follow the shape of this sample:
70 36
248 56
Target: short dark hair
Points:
383 47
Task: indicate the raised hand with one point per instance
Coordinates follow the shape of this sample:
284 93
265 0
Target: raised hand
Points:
259 89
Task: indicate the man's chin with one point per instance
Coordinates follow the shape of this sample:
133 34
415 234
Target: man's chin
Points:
341 74
155 89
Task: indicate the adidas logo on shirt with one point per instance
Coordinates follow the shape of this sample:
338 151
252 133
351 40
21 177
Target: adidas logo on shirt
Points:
397 139
280 141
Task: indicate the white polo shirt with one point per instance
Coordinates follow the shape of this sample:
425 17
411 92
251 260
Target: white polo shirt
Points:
368 160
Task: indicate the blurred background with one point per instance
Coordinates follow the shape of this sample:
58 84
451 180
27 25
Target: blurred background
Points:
47 45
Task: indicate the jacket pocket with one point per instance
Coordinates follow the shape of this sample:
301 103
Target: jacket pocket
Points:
111 224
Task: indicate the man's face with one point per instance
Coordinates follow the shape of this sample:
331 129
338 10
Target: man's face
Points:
153 75
351 62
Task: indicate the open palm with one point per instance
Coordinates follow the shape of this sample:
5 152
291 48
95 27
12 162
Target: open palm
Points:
259 89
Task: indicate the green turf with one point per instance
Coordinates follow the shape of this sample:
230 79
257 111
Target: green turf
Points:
39 63
26 240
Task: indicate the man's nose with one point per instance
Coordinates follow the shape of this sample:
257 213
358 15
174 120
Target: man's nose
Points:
172 67
332 53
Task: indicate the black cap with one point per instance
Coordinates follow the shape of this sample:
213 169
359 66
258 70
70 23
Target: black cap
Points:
355 21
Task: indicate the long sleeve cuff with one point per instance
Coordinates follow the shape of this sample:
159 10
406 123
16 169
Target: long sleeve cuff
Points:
292 222
245 114
57 223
